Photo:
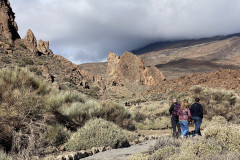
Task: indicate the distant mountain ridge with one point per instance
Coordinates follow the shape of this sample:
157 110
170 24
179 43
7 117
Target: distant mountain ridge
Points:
180 43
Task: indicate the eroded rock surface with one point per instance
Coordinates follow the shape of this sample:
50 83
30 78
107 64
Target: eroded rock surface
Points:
43 47
8 26
30 42
130 68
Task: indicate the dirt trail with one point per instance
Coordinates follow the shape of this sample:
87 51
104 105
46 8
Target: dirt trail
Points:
122 153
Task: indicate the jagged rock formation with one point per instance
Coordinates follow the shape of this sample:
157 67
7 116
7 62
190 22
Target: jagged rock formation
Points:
8 26
131 69
30 42
43 47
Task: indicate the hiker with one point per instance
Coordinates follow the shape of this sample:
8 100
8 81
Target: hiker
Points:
174 119
197 115
184 118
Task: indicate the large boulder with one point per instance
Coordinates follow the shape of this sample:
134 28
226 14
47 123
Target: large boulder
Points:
8 26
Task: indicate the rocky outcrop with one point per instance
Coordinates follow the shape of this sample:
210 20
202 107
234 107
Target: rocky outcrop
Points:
43 47
30 42
129 68
152 76
8 26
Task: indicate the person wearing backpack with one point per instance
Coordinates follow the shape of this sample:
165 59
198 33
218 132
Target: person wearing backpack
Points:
197 115
184 118
174 117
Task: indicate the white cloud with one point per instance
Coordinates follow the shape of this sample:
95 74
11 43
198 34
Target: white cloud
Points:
86 30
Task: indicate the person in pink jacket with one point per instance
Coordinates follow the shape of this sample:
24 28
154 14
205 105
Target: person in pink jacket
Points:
184 118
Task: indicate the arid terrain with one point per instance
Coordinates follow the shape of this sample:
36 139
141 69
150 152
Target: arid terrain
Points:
51 108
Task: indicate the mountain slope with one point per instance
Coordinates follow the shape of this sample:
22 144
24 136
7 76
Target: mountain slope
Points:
197 56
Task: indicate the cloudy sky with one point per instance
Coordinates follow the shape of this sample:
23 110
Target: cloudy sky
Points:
86 30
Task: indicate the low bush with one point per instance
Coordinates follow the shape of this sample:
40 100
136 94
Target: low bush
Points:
117 114
97 133
131 136
140 156
156 110
4 156
25 103
218 102
25 61
82 112
159 123
6 59
56 134
227 136
23 45
164 153
36 70
220 140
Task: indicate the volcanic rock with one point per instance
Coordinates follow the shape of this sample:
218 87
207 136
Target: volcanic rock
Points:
8 26
30 42
43 47
130 68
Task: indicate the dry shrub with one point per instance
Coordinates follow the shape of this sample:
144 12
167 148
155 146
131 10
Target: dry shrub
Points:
164 153
165 142
117 114
82 112
156 110
138 116
4 156
227 136
159 123
97 133
140 156
24 102
216 121
56 134
218 102
201 147
131 136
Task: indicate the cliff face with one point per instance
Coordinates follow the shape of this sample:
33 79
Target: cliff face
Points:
8 26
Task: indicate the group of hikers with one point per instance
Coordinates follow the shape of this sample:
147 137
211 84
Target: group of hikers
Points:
182 115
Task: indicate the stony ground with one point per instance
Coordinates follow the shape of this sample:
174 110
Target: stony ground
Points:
122 153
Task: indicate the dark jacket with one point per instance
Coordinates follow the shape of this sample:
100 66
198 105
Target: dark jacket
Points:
171 109
196 110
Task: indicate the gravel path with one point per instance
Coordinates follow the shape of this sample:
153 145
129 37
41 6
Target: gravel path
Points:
122 153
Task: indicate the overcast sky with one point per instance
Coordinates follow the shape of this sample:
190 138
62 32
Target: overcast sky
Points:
86 30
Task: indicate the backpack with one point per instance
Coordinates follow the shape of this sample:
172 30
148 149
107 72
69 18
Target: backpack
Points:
175 109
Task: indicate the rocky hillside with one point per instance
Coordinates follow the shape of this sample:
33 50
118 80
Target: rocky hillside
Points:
38 57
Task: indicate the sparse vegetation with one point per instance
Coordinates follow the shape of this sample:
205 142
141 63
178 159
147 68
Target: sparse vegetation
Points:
152 116
25 61
220 141
56 134
82 112
23 45
6 59
4 156
218 102
36 70
29 113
